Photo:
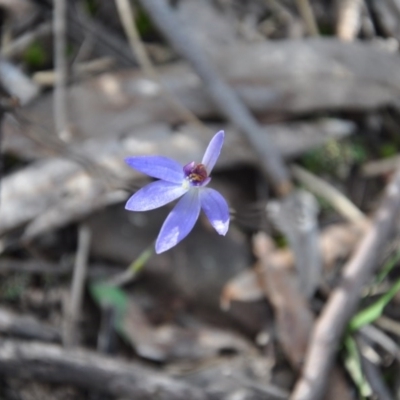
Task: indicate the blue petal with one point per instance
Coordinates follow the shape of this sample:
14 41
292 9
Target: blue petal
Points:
216 209
158 167
179 222
154 195
213 151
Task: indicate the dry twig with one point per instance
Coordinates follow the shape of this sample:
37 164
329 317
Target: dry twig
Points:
20 44
48 78
127 18
344 299
26 327
381 167
388 324
323 189
308 16
60 64
73 311
375 335
107 43
51 363
375 378
349 19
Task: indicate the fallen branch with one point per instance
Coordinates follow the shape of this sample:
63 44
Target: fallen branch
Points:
344 299
51 363
27 327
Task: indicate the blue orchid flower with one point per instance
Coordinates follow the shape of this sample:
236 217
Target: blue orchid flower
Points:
188 181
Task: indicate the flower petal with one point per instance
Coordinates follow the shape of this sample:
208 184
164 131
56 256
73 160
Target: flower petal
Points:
158 167
213 150
154 195
179 222
216 209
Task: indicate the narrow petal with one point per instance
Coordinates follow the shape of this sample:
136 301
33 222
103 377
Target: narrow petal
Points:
179 222
213 150
154 195
158 167
216 209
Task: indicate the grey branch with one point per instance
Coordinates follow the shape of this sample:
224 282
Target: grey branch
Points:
344 299
52 363
60 63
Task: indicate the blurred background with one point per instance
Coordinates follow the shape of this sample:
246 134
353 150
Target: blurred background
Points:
307 92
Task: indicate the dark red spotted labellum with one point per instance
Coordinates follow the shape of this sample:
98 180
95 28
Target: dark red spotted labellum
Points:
195 173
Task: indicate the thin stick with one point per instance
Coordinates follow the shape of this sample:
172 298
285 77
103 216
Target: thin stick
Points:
47 78
385 341
323 189
373 374
308 16
221 93
26 326
78 284
85 29
344 299
388 324
20 44
349 19
127 18
60 66
380 167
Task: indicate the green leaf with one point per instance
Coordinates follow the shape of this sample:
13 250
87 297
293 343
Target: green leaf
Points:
143 22
13 286
375 310
91 7
387 150
111 296
35 55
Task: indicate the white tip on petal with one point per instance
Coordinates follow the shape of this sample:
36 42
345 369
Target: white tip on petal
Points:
216 209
